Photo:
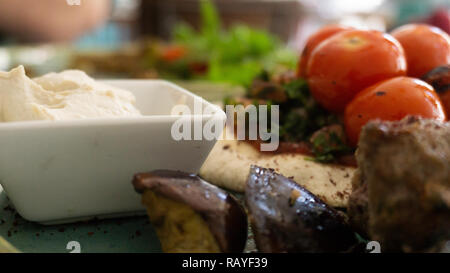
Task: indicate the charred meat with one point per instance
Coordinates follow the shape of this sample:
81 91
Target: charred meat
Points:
401 193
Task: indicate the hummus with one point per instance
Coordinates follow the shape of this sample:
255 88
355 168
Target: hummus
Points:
70 94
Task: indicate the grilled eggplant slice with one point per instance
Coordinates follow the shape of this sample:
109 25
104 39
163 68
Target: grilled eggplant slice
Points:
191 215
286 217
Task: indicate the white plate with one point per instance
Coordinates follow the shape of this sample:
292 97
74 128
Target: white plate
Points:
63 171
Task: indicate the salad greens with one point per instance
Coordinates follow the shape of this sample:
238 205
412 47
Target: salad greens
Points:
243 55
236 55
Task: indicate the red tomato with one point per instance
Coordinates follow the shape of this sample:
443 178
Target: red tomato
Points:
173 53
426 47
350 61
391 99
313 41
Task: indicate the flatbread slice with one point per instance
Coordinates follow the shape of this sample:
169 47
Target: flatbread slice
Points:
229 162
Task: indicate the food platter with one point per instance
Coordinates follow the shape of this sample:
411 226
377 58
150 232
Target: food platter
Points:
356 154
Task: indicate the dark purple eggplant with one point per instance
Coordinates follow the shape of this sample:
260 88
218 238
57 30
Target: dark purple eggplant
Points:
191 215
285 217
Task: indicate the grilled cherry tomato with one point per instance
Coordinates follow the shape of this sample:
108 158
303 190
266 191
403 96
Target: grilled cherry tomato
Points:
426 47
350 61
392 99
313 41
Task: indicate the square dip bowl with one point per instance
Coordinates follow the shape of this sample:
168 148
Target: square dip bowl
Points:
64 171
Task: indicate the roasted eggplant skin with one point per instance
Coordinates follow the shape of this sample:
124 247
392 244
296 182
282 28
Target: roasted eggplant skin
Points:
285 217
222 212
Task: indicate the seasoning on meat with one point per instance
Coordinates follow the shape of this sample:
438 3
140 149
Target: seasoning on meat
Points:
401 192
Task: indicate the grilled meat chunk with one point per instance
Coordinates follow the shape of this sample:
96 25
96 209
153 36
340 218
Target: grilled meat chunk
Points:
191 215
401 192
286 217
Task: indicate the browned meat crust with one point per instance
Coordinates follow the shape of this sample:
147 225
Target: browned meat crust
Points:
402 196
358 205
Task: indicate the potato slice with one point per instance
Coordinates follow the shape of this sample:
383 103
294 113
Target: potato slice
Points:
191 215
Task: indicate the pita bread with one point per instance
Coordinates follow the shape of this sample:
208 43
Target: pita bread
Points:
229 163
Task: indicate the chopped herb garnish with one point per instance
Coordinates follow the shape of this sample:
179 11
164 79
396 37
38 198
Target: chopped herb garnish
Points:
302 119
327 146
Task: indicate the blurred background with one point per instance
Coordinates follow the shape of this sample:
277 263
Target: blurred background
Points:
222 41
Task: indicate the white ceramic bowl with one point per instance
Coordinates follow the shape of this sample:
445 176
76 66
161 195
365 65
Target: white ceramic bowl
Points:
64 171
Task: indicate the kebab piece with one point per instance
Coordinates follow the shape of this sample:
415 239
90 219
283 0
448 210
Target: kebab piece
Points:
401 192
285 217
191 215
